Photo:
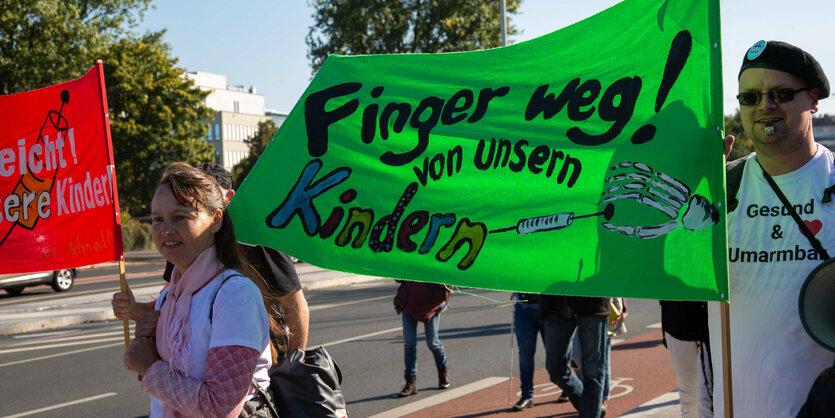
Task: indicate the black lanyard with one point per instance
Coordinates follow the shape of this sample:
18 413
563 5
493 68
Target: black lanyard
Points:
816 244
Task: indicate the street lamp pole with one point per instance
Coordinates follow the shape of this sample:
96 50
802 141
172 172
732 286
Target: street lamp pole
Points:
504 23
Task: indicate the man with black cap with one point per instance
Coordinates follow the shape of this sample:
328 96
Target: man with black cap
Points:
774 362
276 268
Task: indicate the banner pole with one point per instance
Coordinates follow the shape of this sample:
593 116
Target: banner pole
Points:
727 378
512 332
123 283
111 171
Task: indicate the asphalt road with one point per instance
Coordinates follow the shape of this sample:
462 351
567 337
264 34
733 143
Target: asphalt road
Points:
90 280
77 371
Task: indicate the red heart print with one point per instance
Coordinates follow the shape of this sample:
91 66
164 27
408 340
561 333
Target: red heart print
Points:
814 226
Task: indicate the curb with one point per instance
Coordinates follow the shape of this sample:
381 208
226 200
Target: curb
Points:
132 257
59 322
41 318
29 318
342 281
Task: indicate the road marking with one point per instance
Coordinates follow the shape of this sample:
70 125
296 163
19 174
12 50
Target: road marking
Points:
61 405
335 305
666 405
656 325
41 334
440 398
66 353
53 295
64 339
359 337
96 279
50 347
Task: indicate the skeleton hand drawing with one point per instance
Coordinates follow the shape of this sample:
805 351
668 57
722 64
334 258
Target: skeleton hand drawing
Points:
660 191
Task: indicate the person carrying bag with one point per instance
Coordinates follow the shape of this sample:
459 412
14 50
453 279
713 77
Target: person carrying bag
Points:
421 302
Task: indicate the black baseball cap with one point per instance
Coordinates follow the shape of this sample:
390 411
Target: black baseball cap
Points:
223 178
788 58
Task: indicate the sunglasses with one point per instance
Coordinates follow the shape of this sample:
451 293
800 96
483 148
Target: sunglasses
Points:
752 98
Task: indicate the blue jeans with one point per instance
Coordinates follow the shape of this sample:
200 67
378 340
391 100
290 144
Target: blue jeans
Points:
576 355
527 325
560 325
432 341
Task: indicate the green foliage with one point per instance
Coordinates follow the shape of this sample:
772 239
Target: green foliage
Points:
742 144
44 42
157 116
135 234
257 144
350 27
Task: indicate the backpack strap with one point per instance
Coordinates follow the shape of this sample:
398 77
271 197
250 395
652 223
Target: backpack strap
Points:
212 306
733 178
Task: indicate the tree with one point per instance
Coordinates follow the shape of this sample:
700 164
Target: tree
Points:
157 116
44 42
350 27
257 144
742 144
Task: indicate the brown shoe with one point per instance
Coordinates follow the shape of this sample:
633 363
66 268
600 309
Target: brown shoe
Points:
443 378
410 388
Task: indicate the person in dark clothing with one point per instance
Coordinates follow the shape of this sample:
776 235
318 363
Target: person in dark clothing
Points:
421 302
563 316
527 325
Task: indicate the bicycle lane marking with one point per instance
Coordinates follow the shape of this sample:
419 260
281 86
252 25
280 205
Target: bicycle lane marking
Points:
641 372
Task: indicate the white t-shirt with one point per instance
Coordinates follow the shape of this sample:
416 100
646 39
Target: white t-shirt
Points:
774 361
239 318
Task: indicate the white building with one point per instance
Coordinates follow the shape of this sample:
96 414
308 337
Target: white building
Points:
277 116
238 110
823 128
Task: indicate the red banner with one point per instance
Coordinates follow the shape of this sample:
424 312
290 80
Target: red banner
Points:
58 201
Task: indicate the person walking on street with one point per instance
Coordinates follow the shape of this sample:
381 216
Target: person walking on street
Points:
684 327
211 346
563 316
772 245
274 266
422 302
527 325
617 326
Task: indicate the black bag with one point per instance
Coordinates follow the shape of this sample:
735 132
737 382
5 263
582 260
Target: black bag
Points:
307 384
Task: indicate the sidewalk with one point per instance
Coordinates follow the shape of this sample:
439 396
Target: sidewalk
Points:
94 307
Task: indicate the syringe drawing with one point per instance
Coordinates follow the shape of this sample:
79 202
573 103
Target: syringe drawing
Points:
641 183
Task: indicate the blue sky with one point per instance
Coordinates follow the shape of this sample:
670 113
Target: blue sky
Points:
261 42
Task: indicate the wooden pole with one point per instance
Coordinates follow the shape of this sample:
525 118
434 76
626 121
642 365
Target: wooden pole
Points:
111 174
727 378
123 283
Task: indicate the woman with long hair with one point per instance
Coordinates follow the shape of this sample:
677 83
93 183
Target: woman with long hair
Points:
212 342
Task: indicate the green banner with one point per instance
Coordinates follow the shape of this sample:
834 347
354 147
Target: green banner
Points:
585 162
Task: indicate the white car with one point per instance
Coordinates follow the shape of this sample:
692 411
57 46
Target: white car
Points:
60 280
